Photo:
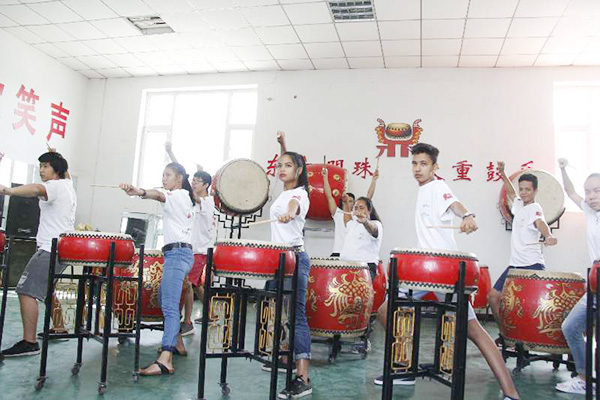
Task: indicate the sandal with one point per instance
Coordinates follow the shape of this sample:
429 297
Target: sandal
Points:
163 370
176 352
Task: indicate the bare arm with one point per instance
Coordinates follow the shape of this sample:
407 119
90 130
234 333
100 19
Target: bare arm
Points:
151 194
468 225
29 190
327 189
510 189
544 229
281 140
369 225
53 150
293 210
169 149
371 190
568 185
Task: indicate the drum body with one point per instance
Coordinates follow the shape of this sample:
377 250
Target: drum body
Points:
2 241
93 248
550 196
339 298
240 187
379 288
534 305
434 270
319 209
255 259
592 278
479 299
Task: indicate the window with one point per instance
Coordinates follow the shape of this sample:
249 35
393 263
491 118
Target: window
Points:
206 127
577 130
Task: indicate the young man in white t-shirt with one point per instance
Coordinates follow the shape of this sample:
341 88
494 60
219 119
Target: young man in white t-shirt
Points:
574 325
436 208
527 226
58 203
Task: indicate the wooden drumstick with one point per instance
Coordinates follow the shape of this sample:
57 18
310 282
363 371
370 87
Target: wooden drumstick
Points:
105 186
265 221
443 227
377 163
324 159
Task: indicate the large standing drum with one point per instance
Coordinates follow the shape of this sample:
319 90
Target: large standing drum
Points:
479 299
319 209
592 278
254 259
435 270
534 305
240 187
550 195
339 298
379 288
92 249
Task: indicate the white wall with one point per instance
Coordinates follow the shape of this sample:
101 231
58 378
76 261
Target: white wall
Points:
474 114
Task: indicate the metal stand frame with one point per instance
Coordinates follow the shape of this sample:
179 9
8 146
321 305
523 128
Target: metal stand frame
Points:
87 330
592 361
4 271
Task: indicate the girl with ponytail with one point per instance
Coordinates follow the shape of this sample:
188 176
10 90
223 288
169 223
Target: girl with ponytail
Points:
177 199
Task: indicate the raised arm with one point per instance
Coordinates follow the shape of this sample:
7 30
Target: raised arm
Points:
568 185
510 189
281 141
151 194
468 224
327 189
29 190
169 149
371 190
53 150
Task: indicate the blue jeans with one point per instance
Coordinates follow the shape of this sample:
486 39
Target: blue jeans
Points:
178 262
500 282
573 328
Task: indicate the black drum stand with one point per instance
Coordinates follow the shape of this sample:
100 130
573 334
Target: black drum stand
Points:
4 276
592 361
89 323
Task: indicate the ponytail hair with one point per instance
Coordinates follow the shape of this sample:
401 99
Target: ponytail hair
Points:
299 162
370 207
185 182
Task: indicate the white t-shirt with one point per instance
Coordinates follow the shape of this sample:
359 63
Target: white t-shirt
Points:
524 247
290 233
339 231
593 230
57 214
177 216
204 228
360 245
433 209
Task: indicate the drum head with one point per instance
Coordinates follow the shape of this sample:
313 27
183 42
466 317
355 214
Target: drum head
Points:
550 194
242 186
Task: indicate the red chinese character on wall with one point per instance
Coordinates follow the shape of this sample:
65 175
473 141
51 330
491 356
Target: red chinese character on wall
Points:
527 165
492 173
462 169
23 109
272 165
362 168
58 124
1 88
337 163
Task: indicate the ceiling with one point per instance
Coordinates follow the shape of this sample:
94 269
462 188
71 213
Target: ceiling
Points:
94 38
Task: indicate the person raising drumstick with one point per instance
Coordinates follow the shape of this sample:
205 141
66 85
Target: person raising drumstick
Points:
177 200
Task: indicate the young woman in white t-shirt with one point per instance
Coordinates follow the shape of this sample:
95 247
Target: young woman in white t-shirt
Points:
364 235
177 200
290 209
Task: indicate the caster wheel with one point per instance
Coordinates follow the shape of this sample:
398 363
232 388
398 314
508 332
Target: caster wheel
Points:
574 374
101 390
516 371
39 384
225 390
555 365
75 369
122 340
331 359
135 378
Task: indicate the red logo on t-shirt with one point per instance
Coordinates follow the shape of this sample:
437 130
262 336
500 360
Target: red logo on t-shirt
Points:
296 197
538 213
447 196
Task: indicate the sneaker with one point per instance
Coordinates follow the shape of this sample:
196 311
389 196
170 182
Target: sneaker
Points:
186 329
298 389
573 385
22 348
281 367
399 381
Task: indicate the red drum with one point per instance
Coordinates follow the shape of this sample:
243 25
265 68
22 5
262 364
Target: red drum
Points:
2 241
92 249
479 299
339 298
319 209
534 305
379 288
256 259
550 195
435 270
240 187
592 277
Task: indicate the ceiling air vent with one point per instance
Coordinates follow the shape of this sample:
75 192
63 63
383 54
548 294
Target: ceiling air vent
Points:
352 10
151 25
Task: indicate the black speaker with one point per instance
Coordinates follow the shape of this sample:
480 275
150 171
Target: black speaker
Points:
23 216
18 256
137 228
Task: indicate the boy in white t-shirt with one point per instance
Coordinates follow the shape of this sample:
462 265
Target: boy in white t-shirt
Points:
58 203
437 207
528 223
574 325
